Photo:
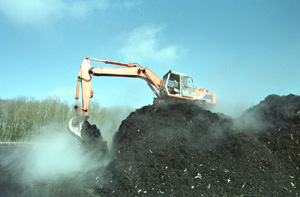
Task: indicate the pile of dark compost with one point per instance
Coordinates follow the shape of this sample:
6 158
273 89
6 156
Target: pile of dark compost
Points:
182 149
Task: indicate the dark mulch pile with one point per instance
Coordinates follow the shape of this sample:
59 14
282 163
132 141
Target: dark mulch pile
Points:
183 150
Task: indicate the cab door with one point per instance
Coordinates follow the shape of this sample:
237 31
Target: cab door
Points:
187 86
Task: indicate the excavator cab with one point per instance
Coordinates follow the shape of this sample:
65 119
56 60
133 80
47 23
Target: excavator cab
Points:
180 86
177 84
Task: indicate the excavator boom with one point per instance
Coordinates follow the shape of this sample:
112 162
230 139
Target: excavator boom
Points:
128 70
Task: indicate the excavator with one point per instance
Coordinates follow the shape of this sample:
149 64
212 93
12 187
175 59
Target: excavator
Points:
174 86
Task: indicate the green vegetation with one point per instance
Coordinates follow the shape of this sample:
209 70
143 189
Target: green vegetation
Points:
22 118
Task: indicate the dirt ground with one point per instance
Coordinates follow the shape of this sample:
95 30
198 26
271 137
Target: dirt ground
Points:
182 149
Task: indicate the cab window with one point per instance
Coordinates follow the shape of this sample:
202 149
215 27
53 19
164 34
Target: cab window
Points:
187 82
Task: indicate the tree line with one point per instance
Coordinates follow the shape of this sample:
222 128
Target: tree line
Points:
22 118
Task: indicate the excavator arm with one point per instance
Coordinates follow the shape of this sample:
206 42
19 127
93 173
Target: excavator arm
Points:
84 80
132 70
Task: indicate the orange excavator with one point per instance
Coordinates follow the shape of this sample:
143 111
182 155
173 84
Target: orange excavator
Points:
174 86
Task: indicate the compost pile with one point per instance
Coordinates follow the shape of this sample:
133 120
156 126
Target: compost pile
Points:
178 149
182 149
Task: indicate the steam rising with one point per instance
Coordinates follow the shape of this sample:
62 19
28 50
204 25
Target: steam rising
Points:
53 155
55 158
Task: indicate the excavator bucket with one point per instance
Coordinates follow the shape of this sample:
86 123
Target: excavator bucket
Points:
89 136
81 129
75 126
87 133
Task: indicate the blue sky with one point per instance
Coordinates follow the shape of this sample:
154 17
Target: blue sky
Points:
240 50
